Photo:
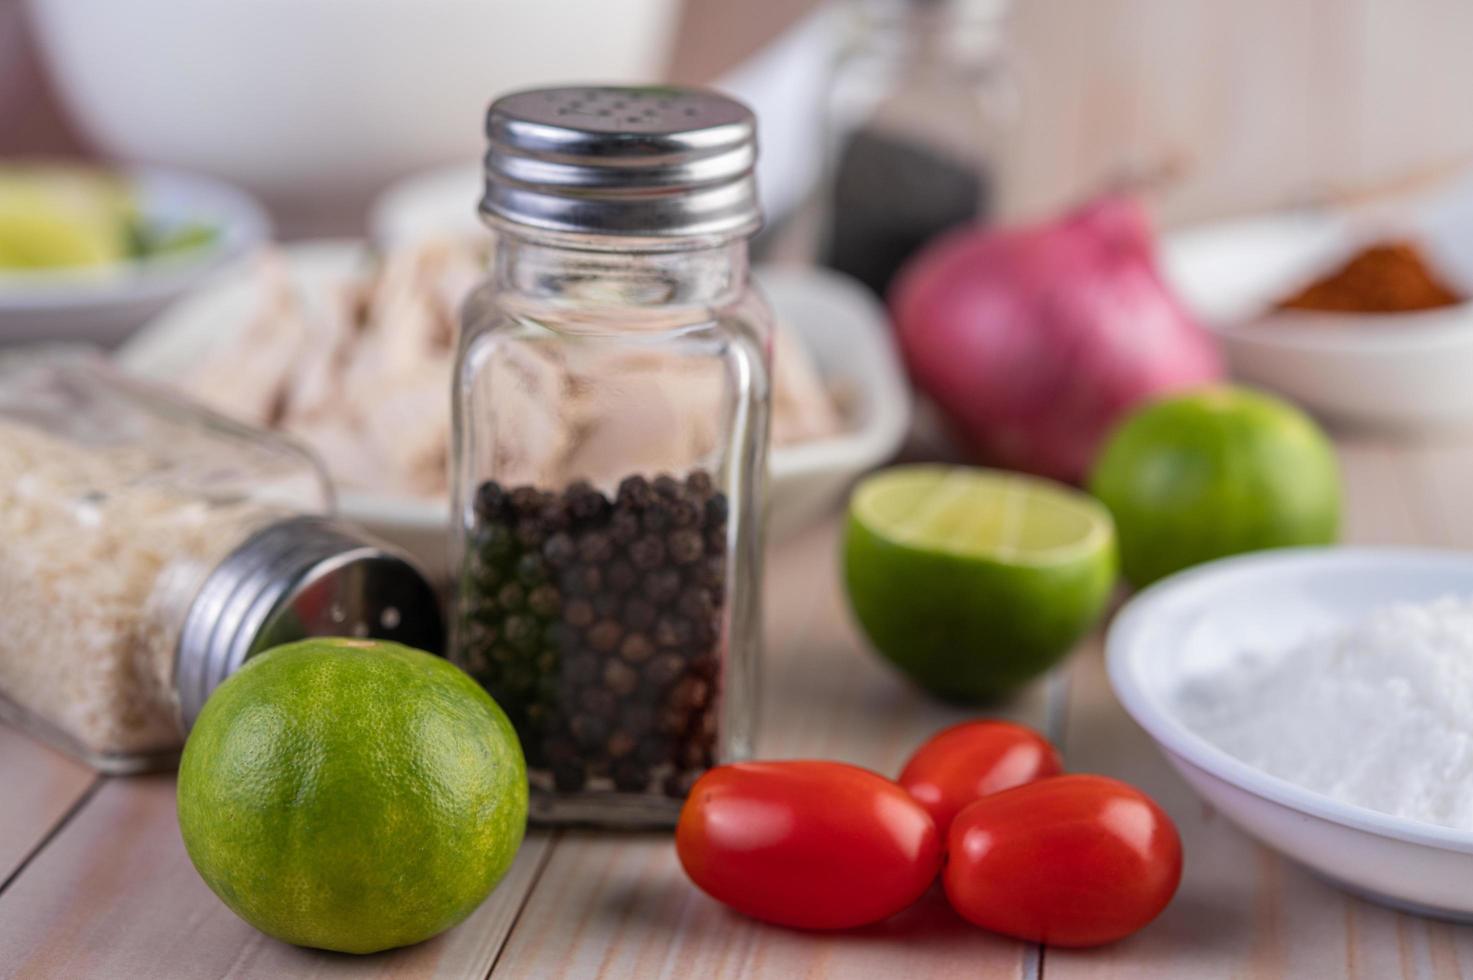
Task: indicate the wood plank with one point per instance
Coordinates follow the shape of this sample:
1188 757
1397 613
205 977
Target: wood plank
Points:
41 786
1242 910
621 908
114 895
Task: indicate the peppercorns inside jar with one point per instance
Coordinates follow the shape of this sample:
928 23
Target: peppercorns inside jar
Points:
608 540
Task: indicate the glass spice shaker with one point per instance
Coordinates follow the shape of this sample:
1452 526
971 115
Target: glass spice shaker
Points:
149 547
611 422
919 111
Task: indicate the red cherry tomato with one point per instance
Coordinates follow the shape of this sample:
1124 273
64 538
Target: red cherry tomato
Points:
1070 861
973 759
814 845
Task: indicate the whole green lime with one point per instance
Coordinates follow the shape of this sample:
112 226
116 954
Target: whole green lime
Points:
973 582
1216 472
352 795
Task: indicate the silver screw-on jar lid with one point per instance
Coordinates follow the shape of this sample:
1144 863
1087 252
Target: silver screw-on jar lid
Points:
299 577
642 162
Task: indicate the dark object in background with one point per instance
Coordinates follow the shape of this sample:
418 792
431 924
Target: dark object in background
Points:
918 112
1385 277
891 196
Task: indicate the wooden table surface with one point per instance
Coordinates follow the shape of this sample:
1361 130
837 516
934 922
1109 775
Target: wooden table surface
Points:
94 881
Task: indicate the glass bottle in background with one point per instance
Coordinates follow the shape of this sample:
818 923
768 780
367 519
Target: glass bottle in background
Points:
919 111
611 421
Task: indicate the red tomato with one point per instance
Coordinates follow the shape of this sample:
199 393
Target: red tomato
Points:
1070 861
971 760
815 845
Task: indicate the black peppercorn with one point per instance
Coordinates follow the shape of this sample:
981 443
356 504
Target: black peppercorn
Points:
656 519
639 615
604 636
559 550
620 678
490 502
663 670
598 703
653 750
521 632
636 648
578 613
595 547
716 511
580 670
510 597
585 580
620 744
647 552
672 631
634 491
544 601
494 542
525 499
606 604
695 602
588 731
699 483
531 570
666 486
661 586
684 546
529 532
684 513
560 636
586 505
624 526
620 576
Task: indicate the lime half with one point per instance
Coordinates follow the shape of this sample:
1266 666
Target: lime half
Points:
973 582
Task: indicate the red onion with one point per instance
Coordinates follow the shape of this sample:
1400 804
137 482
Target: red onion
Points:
1035 340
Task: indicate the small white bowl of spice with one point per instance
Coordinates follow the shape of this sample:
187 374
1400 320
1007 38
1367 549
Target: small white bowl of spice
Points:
1322 699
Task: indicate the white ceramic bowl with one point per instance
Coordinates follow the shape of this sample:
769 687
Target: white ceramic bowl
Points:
66 305
313 101
1401 371
838 321
1199 620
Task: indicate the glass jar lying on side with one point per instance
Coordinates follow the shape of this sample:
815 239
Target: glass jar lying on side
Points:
609 535
149 547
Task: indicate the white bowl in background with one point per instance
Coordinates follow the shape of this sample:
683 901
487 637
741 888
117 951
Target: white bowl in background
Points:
105 306
1199 620
841 325
311 101
1400 371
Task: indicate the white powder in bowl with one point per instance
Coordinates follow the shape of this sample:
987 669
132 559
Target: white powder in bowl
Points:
1378 713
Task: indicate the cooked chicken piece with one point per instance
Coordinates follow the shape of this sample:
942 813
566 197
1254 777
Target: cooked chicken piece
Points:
248 377
363 374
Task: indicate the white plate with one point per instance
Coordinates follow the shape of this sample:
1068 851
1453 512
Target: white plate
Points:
1401 371
64 305
1197 620
838 321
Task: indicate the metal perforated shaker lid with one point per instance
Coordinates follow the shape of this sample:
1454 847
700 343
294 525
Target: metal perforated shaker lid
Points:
632 162
299 577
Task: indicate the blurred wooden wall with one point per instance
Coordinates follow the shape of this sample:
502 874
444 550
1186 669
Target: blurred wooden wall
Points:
1264 102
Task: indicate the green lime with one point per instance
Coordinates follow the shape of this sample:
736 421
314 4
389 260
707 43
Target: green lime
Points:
53 217
352 795
974 582
1216 472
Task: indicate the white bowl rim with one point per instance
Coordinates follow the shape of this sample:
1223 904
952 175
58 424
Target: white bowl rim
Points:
1174 737
1445 328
